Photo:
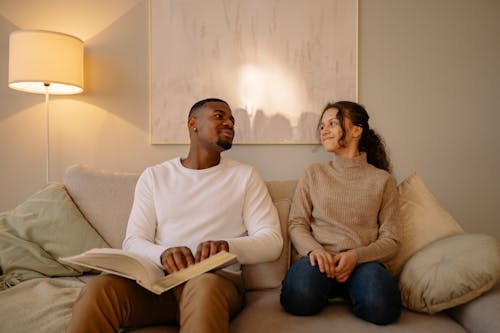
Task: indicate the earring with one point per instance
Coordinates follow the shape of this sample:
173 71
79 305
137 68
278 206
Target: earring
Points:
195 129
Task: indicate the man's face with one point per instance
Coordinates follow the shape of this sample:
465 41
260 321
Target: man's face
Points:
215 124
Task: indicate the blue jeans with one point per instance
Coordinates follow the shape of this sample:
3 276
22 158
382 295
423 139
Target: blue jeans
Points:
372 291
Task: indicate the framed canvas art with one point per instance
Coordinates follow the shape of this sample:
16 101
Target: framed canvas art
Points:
277 63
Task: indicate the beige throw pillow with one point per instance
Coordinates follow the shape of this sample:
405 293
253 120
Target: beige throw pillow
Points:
423 221
450 272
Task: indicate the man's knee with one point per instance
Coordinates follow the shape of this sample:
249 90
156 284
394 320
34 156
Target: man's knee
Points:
209 280
208 285
97 306
105 285
210 290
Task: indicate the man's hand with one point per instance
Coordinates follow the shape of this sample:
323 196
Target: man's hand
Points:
345 264
324 260
176 258
209 248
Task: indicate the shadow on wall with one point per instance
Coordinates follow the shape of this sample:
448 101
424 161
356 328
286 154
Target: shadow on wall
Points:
276 128
112 42
116 68
71 17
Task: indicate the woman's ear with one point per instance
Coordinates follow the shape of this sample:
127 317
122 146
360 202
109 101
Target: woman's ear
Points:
357 131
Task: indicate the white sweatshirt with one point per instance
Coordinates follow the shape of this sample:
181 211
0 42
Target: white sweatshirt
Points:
177 206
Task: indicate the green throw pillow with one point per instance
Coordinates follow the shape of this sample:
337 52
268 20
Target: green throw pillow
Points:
48 225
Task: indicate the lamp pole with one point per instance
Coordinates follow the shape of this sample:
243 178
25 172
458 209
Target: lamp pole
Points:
47 135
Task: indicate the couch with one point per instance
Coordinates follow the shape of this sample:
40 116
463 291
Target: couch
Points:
104 198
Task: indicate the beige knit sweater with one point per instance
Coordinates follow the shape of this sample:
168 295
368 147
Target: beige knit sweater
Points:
346 204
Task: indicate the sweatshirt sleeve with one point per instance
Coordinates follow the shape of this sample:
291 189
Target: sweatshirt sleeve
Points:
388 242
263 241
299 220
141 227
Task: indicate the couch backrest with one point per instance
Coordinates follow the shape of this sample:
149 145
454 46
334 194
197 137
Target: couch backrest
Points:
270 274
105 198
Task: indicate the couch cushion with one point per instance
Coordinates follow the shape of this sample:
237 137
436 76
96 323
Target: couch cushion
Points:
270 274
450 272
104 197
281 189
36 233
422 218
263 313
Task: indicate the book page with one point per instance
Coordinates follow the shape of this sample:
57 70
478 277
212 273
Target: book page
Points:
119 262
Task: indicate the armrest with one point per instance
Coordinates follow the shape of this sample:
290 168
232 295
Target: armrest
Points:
480 315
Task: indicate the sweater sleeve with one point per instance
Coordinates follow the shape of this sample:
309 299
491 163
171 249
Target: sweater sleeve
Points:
299 220
263 241
141 227
388 241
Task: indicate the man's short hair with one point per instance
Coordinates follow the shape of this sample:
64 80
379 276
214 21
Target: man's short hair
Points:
198 105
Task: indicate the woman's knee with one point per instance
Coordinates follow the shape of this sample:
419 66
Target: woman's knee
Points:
375 294
304 290
378 313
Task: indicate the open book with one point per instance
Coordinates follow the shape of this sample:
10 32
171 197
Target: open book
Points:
144 271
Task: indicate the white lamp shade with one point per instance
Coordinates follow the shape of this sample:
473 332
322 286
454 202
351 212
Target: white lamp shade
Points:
38 59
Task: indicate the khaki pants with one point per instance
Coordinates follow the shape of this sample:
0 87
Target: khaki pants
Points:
203 304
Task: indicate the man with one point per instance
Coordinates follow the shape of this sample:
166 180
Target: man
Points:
185 210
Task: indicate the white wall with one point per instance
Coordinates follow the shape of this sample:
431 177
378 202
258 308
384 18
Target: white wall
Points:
428 75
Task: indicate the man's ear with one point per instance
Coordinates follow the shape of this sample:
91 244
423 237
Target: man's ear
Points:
192 123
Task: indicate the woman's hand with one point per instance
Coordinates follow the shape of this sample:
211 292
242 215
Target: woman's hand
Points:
345 264
324 260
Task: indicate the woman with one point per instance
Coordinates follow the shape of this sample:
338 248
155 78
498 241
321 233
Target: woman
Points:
344 222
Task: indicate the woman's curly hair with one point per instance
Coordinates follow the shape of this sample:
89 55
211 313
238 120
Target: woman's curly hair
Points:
370 141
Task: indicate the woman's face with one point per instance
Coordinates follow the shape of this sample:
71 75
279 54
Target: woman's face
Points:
331 132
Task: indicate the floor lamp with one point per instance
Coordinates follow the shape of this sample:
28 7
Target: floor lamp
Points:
45 62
